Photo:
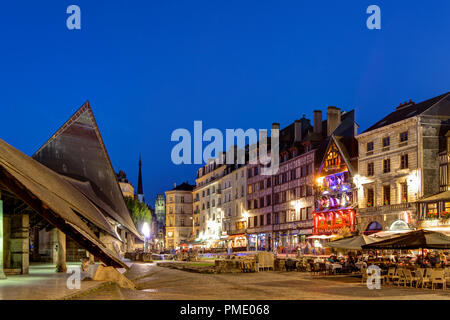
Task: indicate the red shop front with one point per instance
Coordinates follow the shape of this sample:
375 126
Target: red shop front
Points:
331 222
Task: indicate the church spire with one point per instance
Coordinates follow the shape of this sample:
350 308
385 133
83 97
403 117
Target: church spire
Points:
140 192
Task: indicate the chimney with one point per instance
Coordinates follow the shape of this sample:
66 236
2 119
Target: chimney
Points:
275 125
317 121
333 119
297 131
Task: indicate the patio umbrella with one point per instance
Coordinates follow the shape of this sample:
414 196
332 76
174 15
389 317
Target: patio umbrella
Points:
353 243
413 240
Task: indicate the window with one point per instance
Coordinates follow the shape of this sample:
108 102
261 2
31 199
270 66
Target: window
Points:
370 197
261 220
309 191
404 161
249 173
182 222
214 203
275 182
276 198
268 220
310 169
182 199
255 221
249 189
249 204
276 219
285 177
203 194
386 195
386 142
292 194
370 169
369 146
207 192
261 202
261 185
404 192
309 212
404 136
303 214
386 165
302 191
269 182
255 171
283 196
303 171
255 204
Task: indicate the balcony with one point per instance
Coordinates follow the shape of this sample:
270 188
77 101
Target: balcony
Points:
388 208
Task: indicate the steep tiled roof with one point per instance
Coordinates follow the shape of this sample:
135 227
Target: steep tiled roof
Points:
184 187
407 111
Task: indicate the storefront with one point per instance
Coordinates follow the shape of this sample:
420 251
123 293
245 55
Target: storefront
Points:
434 213
238 242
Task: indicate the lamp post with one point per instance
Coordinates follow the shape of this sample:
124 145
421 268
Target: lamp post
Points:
146 232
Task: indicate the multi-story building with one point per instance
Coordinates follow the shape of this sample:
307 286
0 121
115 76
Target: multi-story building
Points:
125 186
233 205
179 215
207 219
399 164
281 206
335 193
160 213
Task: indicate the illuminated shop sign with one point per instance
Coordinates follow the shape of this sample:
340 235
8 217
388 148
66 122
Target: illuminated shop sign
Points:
332 221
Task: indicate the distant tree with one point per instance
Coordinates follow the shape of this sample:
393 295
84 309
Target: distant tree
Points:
140 212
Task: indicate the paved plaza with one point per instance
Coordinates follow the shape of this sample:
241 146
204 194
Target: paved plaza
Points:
42 283
169 284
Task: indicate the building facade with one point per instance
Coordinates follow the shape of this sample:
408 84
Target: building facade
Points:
208 214
179 214
399 164
125 186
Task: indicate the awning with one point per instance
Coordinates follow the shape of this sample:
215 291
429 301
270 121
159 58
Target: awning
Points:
437 197
322 236
413 240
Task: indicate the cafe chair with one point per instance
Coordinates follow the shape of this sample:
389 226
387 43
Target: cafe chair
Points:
422 280
392 276
410 278
438 277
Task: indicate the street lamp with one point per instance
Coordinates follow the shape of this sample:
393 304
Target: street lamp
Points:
146 231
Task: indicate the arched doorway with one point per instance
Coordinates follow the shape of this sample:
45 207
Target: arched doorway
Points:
373 227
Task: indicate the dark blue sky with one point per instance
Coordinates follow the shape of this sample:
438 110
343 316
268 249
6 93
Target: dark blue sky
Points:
149 67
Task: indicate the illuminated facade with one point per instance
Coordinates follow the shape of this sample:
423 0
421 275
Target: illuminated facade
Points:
178 215
207 225
399 164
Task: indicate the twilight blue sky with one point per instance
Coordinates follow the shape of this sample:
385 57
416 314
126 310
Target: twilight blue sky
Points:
149 67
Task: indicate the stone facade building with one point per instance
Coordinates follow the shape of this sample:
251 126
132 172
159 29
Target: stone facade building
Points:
207 201
179 215
399 164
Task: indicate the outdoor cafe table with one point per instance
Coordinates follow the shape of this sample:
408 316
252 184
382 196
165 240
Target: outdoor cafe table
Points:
334 266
